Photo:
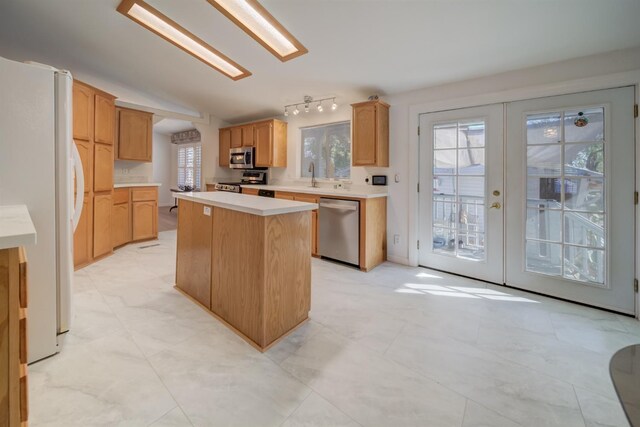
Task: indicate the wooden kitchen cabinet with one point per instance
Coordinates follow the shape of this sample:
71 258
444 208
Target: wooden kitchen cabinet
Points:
104 119
85 150
134 215
269 138
135 129
83 236
224 144
121 219
82 112
14 392
236 137
247 136
284 195
250 191
370 134
144 217
271 143
94 136
103 167
102 209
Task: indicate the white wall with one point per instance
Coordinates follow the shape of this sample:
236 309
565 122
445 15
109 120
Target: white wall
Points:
502 87
162 168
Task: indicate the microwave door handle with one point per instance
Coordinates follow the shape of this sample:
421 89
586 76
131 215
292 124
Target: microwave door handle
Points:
77 166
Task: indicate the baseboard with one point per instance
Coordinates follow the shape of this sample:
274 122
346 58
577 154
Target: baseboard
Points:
398 259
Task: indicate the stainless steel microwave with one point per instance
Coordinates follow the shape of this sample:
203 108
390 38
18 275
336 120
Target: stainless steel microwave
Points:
241 158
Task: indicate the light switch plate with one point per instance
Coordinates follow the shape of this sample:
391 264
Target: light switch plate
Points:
207 210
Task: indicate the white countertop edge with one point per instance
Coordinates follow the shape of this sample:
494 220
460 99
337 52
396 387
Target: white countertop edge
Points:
318 191
286 206
16 227
137 184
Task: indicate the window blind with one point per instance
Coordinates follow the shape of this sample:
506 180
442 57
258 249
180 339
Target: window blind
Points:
190 166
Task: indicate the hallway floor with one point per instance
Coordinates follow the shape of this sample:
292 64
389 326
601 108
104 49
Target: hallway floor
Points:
398 346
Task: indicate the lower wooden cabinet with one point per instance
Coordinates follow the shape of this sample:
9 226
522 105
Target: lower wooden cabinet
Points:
250 191
144 220
134 215
83 236
121 225
14 392
102 208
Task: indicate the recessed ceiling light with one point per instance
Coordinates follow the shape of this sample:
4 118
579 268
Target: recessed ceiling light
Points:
153 20
256 21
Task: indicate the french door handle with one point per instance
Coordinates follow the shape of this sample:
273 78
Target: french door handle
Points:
495 205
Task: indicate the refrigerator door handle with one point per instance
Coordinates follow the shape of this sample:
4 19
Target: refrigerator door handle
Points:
77 167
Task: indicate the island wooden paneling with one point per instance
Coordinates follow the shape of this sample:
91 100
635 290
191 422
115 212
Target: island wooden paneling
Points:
193 263
287 273
260 268
237 262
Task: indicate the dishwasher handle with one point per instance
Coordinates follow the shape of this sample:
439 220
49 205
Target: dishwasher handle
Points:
336 206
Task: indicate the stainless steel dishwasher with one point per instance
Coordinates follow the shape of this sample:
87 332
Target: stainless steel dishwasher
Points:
339 230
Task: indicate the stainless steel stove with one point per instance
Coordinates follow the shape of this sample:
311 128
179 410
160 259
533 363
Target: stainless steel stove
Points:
252 177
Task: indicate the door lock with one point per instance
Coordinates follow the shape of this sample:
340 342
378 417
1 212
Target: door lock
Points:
496 193
495 205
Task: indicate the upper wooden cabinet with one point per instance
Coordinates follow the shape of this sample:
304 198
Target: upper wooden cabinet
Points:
370 140
270 138
82 112
134 135
224 144
236 136
247 135
104 118
103 167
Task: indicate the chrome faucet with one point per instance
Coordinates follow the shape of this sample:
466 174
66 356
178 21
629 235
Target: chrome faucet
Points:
312 169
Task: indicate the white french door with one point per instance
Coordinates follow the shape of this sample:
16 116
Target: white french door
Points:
461 187
547 207
570 197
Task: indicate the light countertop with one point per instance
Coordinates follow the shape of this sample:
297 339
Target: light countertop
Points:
136 184
16 227
359 193
255 205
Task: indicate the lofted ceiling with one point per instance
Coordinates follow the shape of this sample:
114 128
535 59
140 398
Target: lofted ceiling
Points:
356 47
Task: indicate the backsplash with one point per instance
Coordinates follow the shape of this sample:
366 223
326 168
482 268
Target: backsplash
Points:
126 172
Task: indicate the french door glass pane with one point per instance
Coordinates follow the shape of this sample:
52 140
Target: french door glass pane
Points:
544 224
544 128
459 189
584 159
543 257
565 229
584 125
544 160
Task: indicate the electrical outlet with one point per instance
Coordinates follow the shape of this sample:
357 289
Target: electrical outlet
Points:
396 239
397 177
207 210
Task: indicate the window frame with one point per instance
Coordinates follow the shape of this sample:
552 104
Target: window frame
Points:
197 168
301 168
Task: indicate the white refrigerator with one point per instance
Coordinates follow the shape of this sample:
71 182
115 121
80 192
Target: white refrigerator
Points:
38 160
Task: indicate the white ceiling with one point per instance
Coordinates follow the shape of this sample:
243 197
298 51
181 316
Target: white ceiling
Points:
356 47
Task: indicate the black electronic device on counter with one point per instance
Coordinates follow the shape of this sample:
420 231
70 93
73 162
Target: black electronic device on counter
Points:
379 180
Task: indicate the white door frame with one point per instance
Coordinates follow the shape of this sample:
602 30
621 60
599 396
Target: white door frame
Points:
609 81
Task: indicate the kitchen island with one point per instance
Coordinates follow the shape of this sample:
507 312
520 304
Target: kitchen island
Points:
247 260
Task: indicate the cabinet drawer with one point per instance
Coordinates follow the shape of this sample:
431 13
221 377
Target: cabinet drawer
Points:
23 339
120 195
307 198
144 194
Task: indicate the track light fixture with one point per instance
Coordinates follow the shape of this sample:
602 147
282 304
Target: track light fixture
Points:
306 102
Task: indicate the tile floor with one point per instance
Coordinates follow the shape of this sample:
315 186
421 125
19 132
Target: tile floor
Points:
398 346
